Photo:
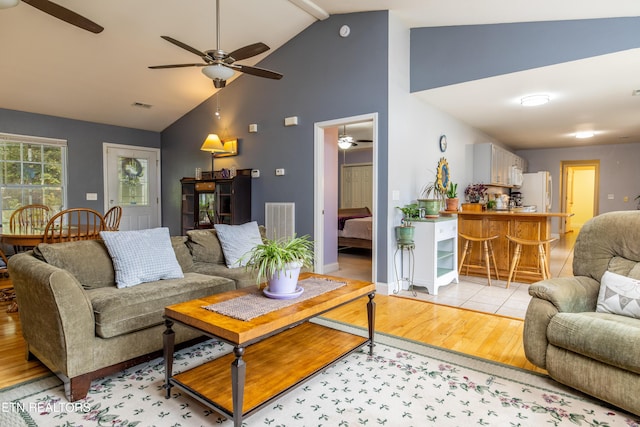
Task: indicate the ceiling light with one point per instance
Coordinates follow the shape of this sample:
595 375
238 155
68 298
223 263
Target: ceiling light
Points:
585 134
345 142
534 100
217 71
5 4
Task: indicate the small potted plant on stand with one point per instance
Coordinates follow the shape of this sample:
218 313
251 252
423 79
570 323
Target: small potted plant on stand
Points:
405 231
278 261
452 197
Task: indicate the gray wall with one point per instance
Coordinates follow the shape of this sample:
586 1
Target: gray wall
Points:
619 171
325 77
441 56
84 153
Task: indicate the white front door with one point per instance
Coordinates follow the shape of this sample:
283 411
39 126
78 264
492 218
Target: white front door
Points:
132 180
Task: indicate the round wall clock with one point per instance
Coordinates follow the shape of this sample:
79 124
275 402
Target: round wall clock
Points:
443 143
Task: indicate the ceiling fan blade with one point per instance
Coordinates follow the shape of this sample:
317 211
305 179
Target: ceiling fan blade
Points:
157 67
364 140
65 15
186 47
260 72
246 52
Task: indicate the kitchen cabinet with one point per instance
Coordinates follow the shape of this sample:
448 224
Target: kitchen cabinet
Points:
492 164
435 253
207 202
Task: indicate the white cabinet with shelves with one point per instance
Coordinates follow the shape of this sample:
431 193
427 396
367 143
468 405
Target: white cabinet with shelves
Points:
436 253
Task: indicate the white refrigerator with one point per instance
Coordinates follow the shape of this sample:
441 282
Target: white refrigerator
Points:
536 190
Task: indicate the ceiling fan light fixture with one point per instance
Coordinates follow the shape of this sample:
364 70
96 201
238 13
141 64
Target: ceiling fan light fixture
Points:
217 71
534 100
345 142
6 4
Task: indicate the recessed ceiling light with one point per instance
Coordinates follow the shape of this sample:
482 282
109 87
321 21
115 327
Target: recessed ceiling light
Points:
585 134
534 100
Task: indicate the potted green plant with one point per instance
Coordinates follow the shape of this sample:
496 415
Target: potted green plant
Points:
431 199
452 197
405 231
278 261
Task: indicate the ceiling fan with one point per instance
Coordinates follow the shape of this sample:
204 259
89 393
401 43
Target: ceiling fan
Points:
346 141
220 65
57 11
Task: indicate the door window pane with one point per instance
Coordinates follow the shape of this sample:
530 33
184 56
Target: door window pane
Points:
134 187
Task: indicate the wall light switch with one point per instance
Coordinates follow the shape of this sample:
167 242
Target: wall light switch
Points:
253 128
610 196
255 173
279 172
92 196
626 199
291 121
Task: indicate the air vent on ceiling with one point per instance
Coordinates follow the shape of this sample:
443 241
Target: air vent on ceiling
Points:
141 105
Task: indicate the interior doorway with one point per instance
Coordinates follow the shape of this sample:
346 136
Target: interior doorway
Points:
579 192
329 160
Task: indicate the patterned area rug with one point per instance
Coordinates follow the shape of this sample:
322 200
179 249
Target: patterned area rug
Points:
404 384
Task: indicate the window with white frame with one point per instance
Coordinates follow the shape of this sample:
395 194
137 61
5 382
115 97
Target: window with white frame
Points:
32 171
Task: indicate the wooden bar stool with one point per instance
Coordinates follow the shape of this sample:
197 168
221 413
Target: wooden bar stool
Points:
543 262
487 250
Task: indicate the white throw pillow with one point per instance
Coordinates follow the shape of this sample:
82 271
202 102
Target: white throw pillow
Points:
619 295
141 256
237 240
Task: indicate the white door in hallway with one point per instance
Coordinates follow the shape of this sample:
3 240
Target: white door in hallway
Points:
357 186
132 180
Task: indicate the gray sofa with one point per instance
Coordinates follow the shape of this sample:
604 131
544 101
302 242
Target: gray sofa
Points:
593 351
81 326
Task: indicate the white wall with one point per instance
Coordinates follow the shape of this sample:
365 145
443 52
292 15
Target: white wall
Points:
414 132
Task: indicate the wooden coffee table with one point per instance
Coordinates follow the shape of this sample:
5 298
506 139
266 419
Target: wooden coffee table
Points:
282 348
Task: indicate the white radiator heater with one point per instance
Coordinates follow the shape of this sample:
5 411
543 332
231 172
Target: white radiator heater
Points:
280 219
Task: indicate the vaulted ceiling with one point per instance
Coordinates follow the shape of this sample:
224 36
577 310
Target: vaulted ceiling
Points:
50 67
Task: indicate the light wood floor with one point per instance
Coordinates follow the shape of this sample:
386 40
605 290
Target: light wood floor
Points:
484 335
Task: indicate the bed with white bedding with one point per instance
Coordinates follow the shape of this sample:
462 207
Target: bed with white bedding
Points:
355 227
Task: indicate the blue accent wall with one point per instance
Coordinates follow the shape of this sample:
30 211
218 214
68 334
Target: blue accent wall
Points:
326 77
442 56
84 152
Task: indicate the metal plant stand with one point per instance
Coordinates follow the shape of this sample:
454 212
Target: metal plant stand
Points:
401 278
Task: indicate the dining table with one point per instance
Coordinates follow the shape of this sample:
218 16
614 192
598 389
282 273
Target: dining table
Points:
22 237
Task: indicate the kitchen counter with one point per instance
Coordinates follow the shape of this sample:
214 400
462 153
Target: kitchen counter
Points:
525 225
511 213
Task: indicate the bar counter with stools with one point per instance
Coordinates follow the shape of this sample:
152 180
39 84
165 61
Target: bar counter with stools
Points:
524 226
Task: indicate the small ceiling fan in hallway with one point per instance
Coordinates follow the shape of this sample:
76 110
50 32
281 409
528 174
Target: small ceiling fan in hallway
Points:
57 11
220 65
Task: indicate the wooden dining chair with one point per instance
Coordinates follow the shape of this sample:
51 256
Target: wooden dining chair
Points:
112 218
30 217
74 224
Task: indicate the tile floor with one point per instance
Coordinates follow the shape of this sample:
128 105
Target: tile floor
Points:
472 292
